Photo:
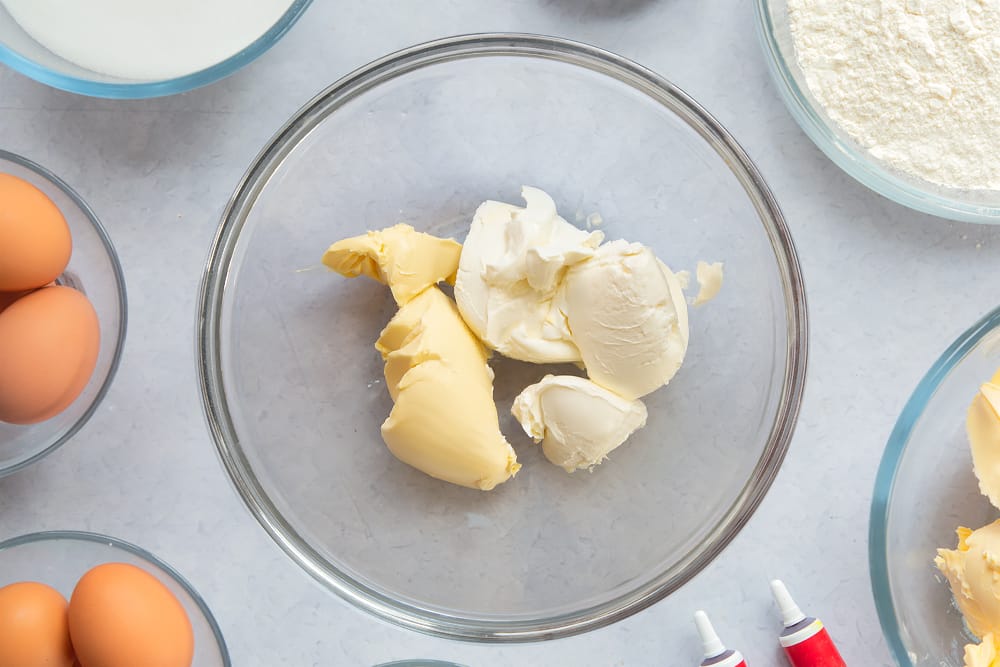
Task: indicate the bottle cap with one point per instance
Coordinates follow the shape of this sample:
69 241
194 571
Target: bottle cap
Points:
790 612
710 641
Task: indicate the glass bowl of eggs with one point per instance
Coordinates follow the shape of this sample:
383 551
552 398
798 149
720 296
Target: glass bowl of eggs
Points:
62 312
139 50
67 595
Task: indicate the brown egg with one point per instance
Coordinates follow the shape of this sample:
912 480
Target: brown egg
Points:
7 298
49 342
122 616
34 236
33 627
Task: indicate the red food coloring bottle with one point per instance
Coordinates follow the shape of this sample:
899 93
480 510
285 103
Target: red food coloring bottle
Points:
805 641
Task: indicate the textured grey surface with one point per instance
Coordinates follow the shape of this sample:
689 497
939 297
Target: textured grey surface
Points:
889 289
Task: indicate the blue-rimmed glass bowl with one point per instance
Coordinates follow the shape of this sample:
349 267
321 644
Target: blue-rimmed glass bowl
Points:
918 194
924 489
60 558
22 53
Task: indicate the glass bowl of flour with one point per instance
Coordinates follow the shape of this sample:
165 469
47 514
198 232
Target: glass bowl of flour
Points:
126 50
901 94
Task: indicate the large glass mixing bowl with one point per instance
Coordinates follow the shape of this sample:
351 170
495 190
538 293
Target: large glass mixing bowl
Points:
293 388
926 488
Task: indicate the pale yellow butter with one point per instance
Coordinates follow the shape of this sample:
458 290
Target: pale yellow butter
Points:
984 654
444 421
983 427
406 260
973 570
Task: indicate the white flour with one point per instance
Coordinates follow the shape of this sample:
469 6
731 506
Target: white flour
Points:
146 39
916 82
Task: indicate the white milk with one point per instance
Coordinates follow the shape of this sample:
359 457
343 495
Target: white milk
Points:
146 39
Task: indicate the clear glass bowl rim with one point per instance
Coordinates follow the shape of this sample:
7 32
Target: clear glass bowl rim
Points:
122 307
878 556
97 538
856 164
146 89
216 280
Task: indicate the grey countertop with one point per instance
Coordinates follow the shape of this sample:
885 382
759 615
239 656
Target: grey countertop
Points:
888 290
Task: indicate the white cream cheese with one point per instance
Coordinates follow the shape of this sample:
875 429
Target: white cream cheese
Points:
577 422
512 264
709 282
628 318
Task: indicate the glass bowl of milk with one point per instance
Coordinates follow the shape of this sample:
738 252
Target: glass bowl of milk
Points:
124 49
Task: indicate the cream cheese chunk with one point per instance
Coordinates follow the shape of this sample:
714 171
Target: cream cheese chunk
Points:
577 422
512 264
628 318
709 282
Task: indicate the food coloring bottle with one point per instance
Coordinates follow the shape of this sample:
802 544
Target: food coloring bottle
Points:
716 655
805 641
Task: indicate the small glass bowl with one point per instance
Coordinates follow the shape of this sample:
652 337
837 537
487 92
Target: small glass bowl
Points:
22 53
905 189
94 269
925 488
60 558
293 387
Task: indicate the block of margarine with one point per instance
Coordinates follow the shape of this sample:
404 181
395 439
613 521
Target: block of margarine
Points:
973 570
983 428
984 654
406 260
444 421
